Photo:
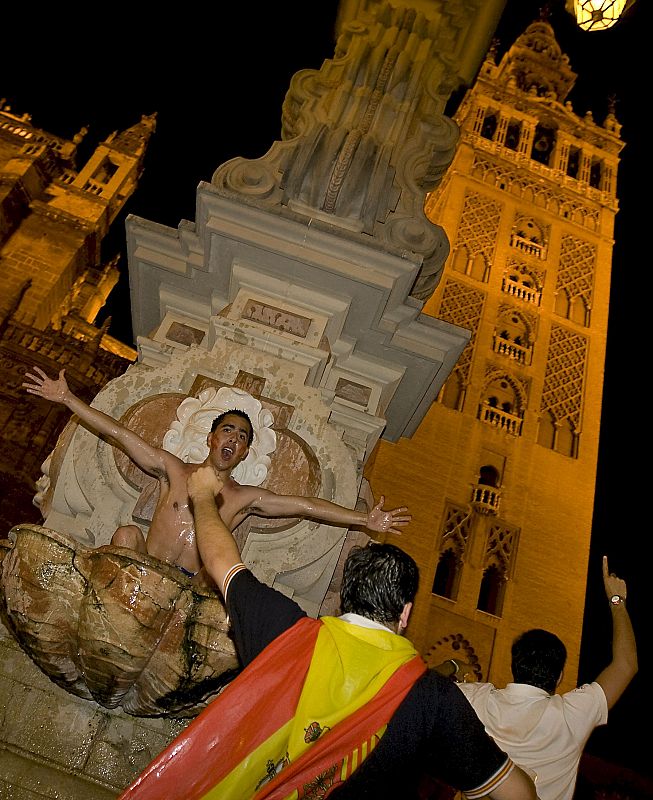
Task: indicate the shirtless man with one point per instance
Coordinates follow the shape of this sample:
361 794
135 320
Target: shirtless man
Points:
171 535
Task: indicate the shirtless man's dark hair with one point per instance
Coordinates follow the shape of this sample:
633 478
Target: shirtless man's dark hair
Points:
237 413
171 534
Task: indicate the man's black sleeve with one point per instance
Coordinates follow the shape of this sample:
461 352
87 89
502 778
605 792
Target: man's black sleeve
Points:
257 614
435 731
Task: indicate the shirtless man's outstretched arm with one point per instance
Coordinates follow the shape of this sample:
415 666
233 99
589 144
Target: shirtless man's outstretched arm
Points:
150 459
264 503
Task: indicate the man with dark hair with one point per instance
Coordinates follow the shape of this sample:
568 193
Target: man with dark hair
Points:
542 731
235 412
309 711
538 658
171 534
378 582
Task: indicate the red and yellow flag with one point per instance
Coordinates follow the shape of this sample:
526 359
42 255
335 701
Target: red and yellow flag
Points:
299 720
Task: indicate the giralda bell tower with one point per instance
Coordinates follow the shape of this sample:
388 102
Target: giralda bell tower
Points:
500 475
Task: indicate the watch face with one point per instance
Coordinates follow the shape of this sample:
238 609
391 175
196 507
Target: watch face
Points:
616 599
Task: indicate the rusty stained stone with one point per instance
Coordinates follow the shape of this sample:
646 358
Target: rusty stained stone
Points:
42 591
115 626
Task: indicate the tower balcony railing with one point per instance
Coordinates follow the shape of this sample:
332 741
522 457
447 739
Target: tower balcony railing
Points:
516 352
607 196
527 246
519 290
486 499
498 418
94 187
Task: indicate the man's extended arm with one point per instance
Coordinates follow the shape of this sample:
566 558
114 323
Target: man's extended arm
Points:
622 669
218 549
149 458
270 504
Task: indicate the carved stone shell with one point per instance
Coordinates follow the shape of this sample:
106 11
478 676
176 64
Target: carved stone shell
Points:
111 625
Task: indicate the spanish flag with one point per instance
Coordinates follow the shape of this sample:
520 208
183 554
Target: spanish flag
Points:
298 721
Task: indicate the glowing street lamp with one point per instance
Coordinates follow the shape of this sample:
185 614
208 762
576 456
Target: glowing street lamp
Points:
597 15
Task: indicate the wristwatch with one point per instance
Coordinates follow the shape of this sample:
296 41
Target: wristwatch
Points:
617 599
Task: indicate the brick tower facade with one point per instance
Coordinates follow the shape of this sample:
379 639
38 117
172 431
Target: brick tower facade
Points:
53 282
500 475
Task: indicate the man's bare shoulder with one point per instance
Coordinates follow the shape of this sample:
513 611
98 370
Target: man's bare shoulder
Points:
243 497
174 468
243 491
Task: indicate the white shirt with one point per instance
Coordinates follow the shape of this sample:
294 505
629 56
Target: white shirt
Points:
364 622
542 733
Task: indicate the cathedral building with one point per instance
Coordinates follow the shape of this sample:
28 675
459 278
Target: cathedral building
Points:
55 278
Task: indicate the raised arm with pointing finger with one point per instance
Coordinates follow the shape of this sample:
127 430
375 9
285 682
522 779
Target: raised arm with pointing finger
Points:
171 534
622 669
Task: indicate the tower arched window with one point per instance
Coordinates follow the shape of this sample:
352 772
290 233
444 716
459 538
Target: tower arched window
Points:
453 546
489 475
529 237
490 596
543 144
596 173
573 162
519 282
489 126
501 405
559 436
447 576
513 135
513 337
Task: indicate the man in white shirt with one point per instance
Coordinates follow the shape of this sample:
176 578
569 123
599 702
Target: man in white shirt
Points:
542 731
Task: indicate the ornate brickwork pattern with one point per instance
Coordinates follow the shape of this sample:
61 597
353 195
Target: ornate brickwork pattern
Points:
456 530
461 305
525 188
565 371
576 271
479 223
501 548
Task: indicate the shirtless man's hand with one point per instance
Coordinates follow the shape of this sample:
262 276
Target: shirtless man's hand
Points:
41 385
387 521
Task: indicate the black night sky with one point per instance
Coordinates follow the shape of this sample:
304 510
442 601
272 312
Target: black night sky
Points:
217 79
